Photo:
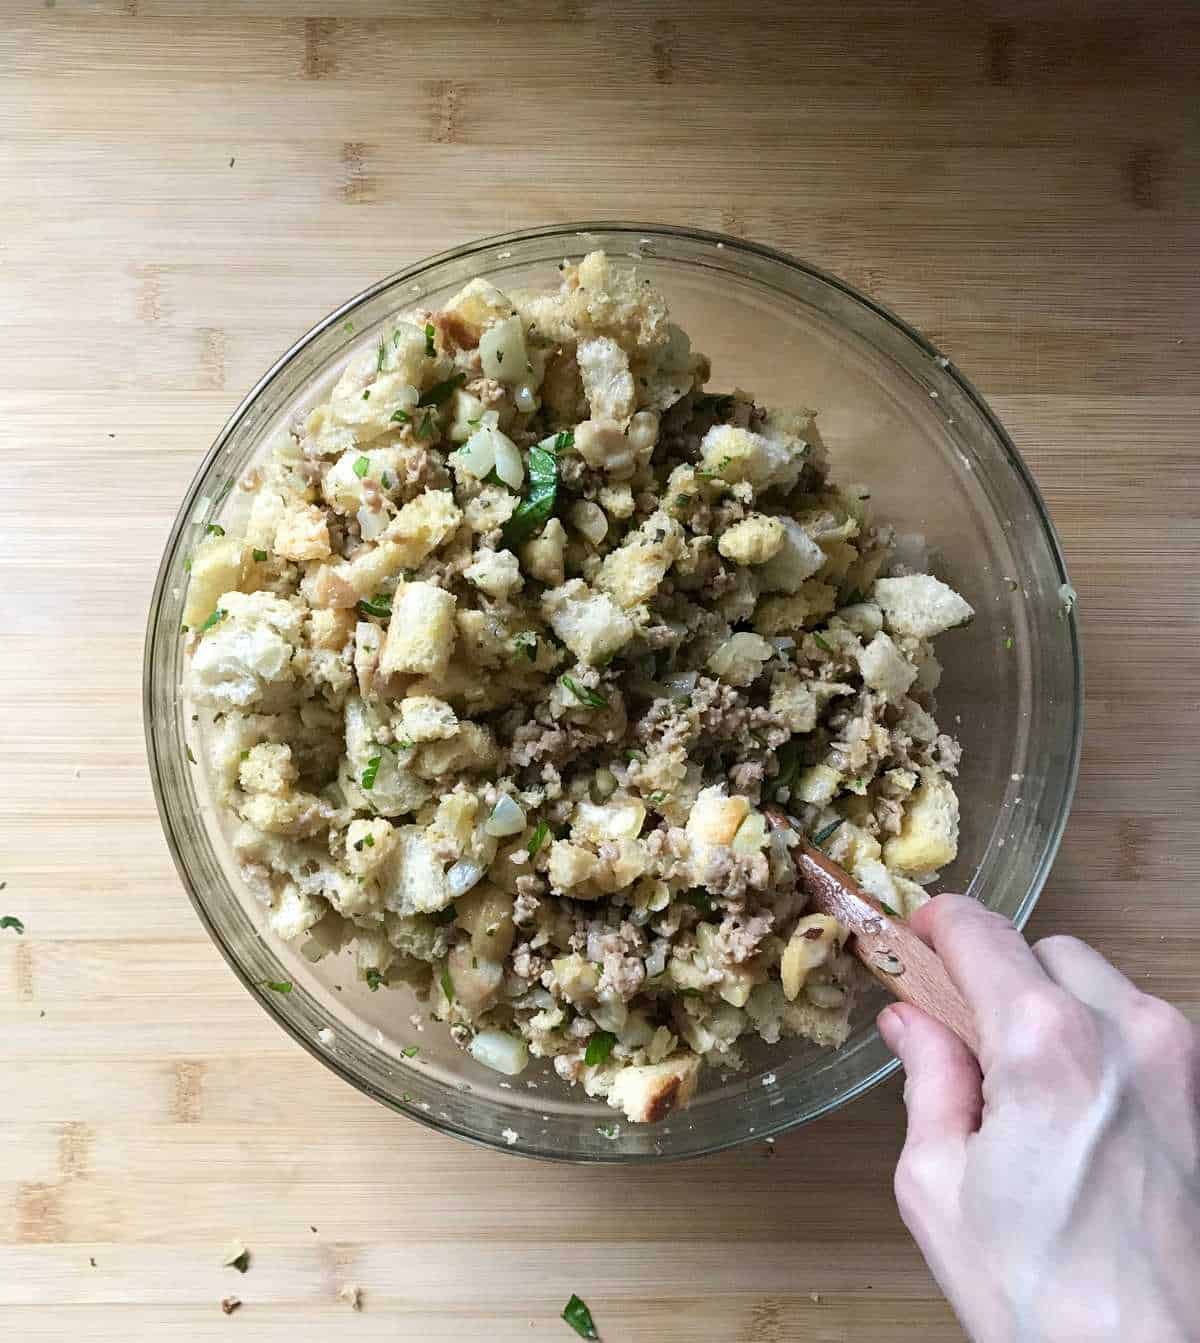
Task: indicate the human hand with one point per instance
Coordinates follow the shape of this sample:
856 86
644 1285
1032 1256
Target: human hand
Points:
1054 1187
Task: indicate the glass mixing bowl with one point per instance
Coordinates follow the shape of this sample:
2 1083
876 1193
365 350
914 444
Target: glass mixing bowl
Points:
897 417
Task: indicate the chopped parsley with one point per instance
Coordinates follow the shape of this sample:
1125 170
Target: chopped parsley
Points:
701 899
655 798
682 500
447 984
260 555
11 921
369 774
187 564
526 641
537 839
887 909
241 1263
1008 643
533 511
279 985
430 348
411 1051
374 979
407 1097
824 646
441 392
361 466
475 423
214 529
599 1047
826 831
592 698
425 428
218 614
379 606
400 417
367 394
608 1131
348 327
577 1315
190 756
382 355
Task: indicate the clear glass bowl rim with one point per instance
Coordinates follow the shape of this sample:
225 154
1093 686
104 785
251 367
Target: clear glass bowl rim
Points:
571 233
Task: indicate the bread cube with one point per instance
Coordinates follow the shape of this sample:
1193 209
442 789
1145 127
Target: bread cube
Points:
928 837
885 669
632 573
754 540
652 1091
496 573
590 623
421 632
219 565
797 558
427 718
607 381
715 818
920 605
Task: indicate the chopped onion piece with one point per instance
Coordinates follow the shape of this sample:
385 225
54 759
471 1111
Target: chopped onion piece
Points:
507 818
501 1052
462 876
509 466
477 456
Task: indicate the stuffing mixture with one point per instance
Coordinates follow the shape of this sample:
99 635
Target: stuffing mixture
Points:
522 630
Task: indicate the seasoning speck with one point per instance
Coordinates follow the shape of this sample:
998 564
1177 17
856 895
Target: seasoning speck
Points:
230 1304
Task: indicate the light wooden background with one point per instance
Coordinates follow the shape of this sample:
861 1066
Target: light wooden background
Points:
184 190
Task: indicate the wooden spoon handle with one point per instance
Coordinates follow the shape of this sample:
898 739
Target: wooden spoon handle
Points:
886 945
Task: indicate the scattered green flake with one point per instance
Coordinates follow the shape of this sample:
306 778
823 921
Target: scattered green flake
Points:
599 1047
279 985
260 556
430 348
190 756
369 774
532 513
11 921
411 1051
887 909
400 417
579 1318
374 979
592 698
379 606
214 529
526 642
348 327
821 643
827 830
382 355
361 466
216 616
540 832
447 984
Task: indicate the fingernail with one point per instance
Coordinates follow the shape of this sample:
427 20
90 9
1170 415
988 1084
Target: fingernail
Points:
891 1025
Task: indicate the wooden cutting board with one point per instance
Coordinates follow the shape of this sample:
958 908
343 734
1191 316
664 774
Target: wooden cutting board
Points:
185 189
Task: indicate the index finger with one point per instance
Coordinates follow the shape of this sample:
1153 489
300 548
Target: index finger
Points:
989 961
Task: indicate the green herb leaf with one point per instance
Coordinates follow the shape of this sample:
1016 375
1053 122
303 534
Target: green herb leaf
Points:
701 899
406 1097
788 758
379 606
382 355
887 909
592 698
190 756
374 979
656 798
441 392
369 841
426 428
214 529
447 984
411 1051
579 1318
187 564
244 755
348 326
599 1047
634 756
537 839
361 466
11 921
372 769
367 394
821 643
526 641
279 985
430 348
476 422
400 417
1008 643
217 615
534 510
827 830
242 1262
260 555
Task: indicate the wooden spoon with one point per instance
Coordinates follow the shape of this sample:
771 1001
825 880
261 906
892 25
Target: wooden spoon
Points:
887 946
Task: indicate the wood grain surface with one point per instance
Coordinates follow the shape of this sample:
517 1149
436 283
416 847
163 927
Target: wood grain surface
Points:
185 189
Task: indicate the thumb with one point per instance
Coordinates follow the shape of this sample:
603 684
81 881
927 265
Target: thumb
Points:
943 1091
